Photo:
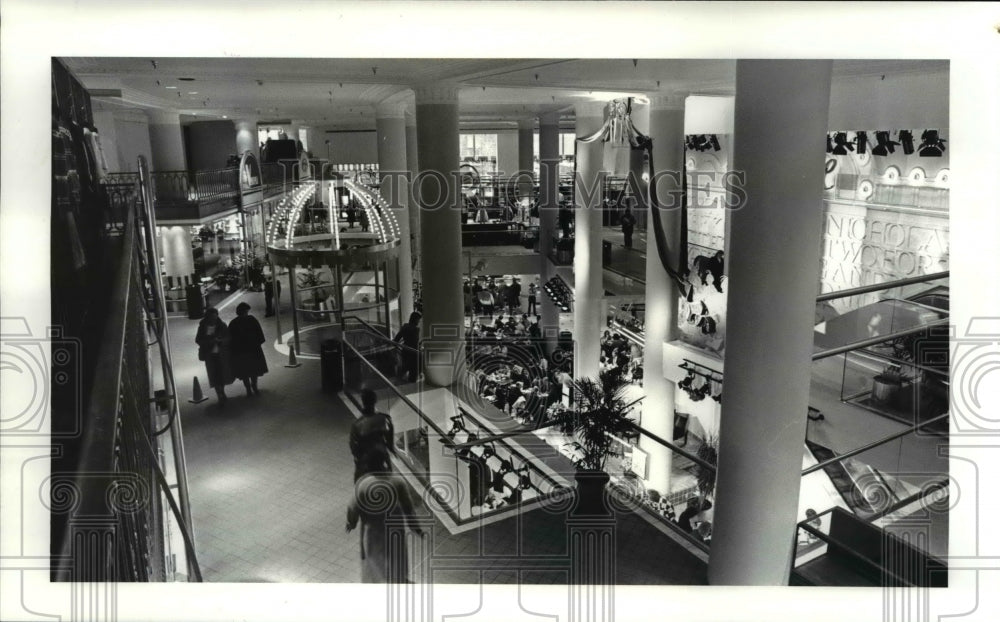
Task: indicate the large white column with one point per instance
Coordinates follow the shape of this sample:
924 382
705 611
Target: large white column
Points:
780 127
390 133
666 128
525 156
166 141
246 137
548 212
441 242
587 267
412 168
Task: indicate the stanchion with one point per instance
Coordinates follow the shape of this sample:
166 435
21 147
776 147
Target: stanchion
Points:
198 396
291 357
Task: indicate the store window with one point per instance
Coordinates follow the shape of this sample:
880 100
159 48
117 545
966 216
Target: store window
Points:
567 152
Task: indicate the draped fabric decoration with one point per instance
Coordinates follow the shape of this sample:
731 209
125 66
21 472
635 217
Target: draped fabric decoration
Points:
619 131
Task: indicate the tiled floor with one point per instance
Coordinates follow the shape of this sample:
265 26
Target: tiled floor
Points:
270 478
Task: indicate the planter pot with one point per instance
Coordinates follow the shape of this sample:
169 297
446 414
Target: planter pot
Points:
884 391
591 500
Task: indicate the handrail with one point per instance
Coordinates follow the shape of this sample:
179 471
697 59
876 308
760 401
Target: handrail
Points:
166 362
871 341
98 443
873 445
380 336
920 494
405 400
867 289
690 456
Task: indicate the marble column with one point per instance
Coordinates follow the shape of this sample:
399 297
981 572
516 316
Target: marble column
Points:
166 141
666 128
588 270
412 167
525 157
548 212
781 117
437 186
390 133
246 137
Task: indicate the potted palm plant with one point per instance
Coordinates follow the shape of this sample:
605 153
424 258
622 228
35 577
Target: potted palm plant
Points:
709 452
312 279
600 414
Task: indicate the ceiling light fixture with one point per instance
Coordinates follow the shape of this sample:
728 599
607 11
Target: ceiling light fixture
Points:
171 87
192 92
186 79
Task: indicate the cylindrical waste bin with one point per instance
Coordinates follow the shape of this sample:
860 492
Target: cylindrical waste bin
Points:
331 365
195 302
606 252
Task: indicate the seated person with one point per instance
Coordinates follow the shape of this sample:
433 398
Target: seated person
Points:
705 531
693 509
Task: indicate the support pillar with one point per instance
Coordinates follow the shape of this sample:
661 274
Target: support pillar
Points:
441 250
412 167
525 158
666 128
781 117
548 212
390 133
178 256
587 266
166 141
246 137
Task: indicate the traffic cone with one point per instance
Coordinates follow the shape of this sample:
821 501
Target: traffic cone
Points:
198 396
291 357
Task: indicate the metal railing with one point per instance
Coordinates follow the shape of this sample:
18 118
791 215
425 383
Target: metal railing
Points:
114 529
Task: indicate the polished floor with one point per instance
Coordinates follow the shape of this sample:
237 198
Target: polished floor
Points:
270 477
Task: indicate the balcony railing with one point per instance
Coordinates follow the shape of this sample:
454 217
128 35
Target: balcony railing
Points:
108 512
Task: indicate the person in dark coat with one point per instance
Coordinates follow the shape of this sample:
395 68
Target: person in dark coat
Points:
271 287
409 336
246 354
514 294
370 429
213 341
628 224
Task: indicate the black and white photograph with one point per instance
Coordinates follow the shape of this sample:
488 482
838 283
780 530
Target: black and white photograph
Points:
584 311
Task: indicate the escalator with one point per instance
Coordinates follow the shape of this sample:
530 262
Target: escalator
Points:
855 489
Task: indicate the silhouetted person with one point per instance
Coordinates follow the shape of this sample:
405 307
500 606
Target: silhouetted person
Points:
409 336
372 428
245 352
628 224
213 348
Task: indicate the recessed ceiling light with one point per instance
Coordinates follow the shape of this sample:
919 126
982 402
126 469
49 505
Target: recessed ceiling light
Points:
192 92
225 117
171 87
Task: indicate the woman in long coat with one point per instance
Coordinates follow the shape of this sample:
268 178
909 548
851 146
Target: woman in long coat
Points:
247 356
383 507
213 341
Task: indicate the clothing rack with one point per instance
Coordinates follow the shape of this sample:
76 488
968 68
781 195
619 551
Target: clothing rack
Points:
710 374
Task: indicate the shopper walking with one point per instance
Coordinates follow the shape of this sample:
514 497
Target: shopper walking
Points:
213 348
247 356
409 336
532 299
370 429
628 224
383 508
514 293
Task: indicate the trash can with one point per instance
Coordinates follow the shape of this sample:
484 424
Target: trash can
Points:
606 252
195 302
331 366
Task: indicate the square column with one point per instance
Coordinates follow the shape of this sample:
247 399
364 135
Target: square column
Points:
548 211
781 116
587 261
436 185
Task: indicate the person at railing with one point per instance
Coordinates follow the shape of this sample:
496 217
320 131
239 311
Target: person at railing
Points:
370 429
213 348
532 298
247 356
409 336
514 294
379 496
